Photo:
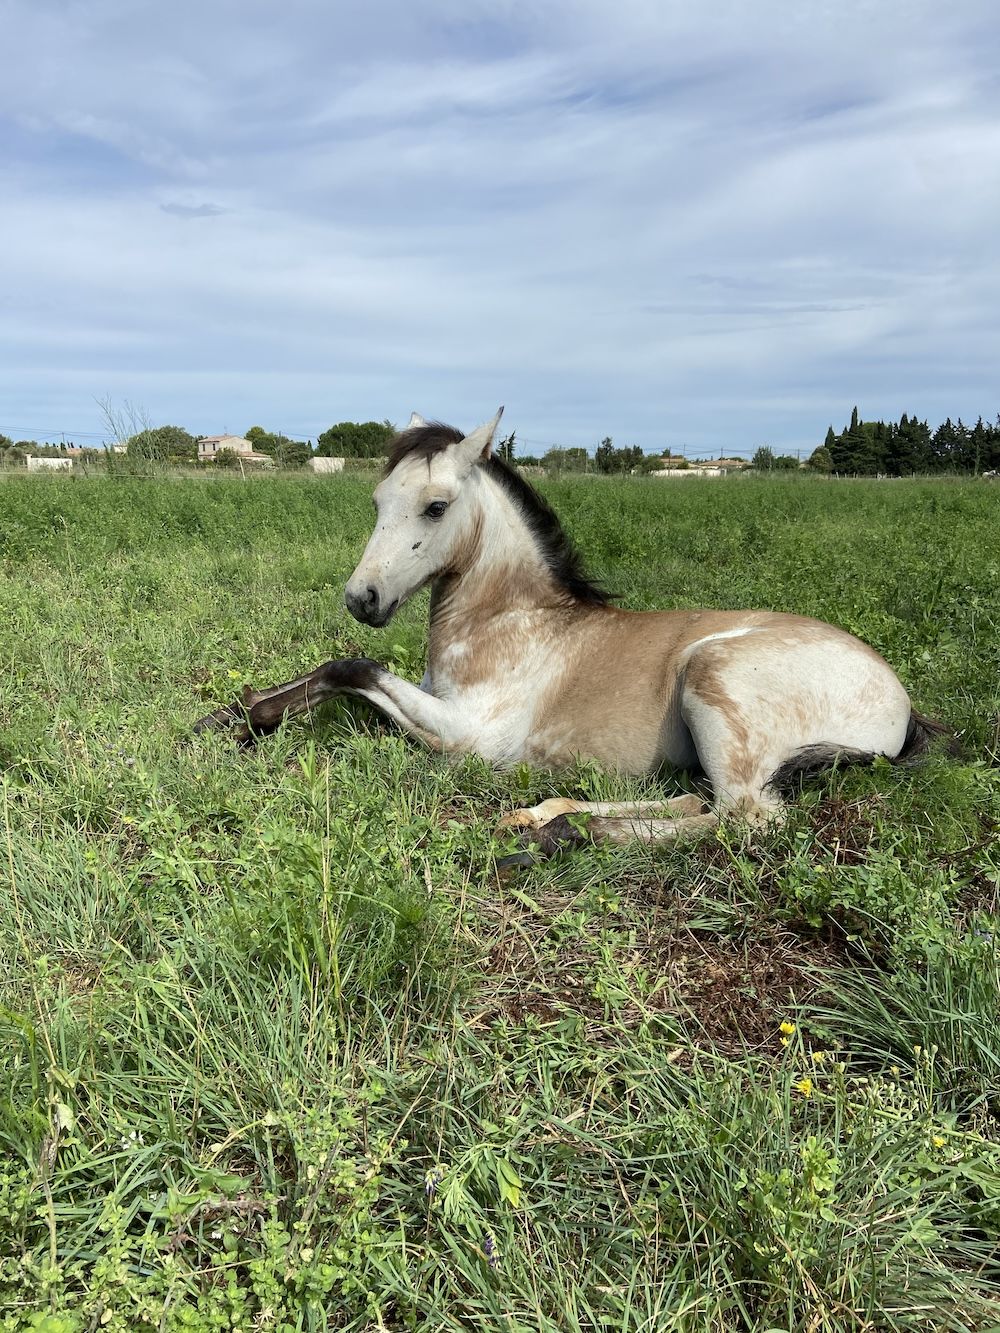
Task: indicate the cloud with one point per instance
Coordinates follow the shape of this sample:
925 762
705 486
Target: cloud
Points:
193 211
643 222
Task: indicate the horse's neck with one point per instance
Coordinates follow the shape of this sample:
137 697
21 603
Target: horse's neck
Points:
502 571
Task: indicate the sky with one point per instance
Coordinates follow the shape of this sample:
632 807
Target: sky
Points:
686 226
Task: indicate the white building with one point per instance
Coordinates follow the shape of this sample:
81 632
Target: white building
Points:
50 464
689 472
325 465
210 446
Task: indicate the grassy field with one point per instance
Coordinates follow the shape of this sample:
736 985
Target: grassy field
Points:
282 1050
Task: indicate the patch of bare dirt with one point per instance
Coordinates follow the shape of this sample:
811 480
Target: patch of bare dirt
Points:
725 992
737 993
81 978
981 890
523 974
846 829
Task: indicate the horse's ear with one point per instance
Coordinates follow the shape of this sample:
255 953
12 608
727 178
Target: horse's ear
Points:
415 420
478 444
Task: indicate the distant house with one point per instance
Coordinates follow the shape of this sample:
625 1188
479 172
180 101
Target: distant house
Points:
327 464
49 464
210 446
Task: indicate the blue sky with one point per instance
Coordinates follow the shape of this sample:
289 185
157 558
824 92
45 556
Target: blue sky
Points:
681 225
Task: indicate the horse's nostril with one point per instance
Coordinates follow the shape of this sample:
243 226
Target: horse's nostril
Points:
371 596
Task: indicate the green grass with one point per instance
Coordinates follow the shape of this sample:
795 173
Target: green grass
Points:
281 1050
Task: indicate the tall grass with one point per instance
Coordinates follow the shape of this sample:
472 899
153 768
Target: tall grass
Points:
283 1051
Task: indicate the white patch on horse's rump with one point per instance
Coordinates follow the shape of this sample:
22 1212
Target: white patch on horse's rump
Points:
721 634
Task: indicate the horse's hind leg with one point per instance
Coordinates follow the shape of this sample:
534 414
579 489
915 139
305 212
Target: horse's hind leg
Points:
553 828
738 755
561 833
641 829
535 816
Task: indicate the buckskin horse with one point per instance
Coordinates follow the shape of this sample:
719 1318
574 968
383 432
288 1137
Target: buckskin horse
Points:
528 662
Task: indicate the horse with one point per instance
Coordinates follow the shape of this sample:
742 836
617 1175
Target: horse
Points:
530 662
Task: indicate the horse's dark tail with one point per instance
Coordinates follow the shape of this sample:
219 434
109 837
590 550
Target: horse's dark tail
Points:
921 735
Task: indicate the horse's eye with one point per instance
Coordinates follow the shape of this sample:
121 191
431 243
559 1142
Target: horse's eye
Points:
436 509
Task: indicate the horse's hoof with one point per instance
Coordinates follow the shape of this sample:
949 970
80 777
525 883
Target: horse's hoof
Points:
518 819
516 861
537 816
542 841
559 835
231 718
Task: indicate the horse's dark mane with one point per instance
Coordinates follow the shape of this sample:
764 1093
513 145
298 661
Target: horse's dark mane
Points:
423 441
561 556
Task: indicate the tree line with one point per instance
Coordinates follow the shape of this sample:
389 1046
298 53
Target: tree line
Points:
608 459
897 449
862 448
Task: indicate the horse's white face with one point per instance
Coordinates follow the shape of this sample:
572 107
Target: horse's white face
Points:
425 512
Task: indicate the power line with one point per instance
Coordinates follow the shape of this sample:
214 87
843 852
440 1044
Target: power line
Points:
44 430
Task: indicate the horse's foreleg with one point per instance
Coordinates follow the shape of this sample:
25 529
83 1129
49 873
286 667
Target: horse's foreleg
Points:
262 711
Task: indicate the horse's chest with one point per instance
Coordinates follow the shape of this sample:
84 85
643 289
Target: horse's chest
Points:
494 684
487 656
493 719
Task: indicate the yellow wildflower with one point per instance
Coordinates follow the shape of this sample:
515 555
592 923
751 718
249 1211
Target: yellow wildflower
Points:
938 1141
805 1086
787 1028
784 1041
818 1057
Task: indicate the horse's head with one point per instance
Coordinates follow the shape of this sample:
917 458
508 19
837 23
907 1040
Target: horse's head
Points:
425 516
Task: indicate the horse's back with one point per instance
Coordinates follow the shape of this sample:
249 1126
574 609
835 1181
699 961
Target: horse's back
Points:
636 690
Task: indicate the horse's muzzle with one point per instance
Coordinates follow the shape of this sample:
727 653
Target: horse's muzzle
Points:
367 607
